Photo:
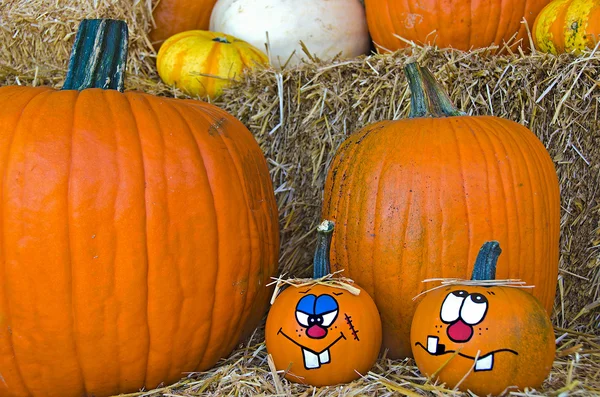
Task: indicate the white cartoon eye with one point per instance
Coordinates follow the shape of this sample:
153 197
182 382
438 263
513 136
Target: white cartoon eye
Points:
329 318
474 309
451 306
302 318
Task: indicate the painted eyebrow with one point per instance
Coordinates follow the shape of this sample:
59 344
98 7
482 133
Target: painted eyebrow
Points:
304 292
338 293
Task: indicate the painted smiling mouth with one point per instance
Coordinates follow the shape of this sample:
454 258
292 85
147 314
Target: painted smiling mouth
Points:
483 363
313 359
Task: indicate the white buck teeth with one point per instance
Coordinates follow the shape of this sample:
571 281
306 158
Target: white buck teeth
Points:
485 363
312 360
432 342
324 357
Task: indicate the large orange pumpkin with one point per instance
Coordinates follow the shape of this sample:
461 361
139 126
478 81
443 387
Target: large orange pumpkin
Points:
567 25
415 199
175 16
137 232
483 335
461 24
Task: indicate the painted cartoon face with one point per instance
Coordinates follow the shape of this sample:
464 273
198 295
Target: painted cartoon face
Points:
495 334
325 333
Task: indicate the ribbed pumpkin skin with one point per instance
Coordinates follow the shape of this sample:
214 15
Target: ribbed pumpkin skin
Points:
175 16
415 199
567 25
137 235
190 60
460 24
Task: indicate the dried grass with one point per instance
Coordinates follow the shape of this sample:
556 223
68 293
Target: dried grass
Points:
300 117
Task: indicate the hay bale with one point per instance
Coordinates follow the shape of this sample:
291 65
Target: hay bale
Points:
37 35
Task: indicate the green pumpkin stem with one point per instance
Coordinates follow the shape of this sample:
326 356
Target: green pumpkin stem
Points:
321 264
99 56
485 264
428 98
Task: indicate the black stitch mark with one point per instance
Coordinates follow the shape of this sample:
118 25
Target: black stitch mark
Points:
351 326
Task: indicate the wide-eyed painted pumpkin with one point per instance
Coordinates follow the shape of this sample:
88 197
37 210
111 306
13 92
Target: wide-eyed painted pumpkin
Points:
324 332
138 232
415 198
176 16
460 24
326 28
567 25
202 63
483 337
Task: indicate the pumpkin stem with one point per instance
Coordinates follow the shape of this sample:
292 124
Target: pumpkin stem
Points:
485 264
428 98
321 265
99 56
220 39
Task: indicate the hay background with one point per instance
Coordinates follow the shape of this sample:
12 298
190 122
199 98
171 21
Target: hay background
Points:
318 105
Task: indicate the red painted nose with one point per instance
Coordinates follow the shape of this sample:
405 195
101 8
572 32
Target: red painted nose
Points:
316 332
460 332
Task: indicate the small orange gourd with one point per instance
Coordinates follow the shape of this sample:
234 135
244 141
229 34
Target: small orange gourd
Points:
323 332
483 337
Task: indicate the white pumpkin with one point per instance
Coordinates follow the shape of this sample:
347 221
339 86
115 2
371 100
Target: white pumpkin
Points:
326 27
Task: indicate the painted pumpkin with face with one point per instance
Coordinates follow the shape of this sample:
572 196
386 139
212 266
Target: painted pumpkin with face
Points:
326 333
500 336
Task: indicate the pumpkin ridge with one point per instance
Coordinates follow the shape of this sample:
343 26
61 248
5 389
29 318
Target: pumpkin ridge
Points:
504 138
76 348
123 136
147 253
251 223
175 107
532 143
508 134
5 299
341 218
492 143
465 196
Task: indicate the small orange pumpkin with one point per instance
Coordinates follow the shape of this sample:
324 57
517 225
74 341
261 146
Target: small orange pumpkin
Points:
500 336
326 333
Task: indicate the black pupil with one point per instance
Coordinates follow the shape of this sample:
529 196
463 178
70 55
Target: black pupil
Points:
315 320
460 293
478 298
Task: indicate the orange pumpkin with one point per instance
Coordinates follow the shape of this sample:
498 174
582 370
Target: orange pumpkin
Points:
415 199
138 232
460 24
484 338
326 332
175 16
567 25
